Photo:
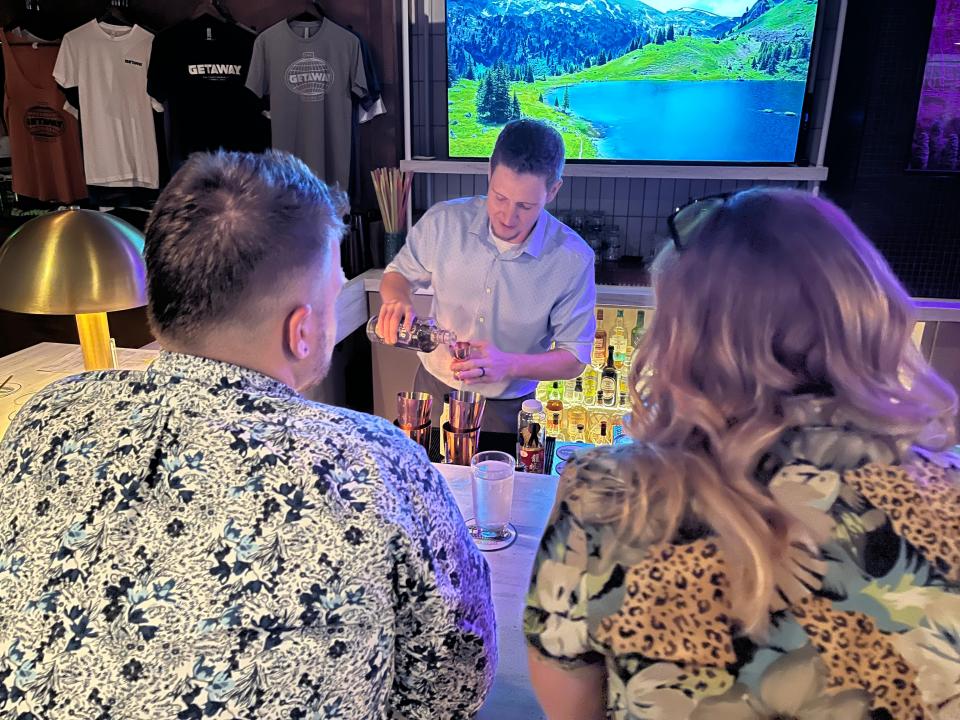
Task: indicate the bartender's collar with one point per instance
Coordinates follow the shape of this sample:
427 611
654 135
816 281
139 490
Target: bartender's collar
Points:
532 246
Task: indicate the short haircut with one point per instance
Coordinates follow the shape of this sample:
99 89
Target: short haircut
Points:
226 220
530 146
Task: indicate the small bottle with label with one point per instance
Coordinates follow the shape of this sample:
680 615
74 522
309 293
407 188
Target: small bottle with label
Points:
576 415
542 392
618 339
609 381
616 426
554 411
591 384
555 424
531 438
578 435
602 436
636 335
599 353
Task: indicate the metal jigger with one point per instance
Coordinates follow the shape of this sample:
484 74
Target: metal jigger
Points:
460 446
420 435
413 416
466 410
462 433
413 409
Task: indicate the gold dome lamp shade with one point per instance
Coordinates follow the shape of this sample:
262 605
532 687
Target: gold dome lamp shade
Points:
75 262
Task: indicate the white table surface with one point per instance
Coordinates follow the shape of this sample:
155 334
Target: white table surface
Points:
39 365
512 697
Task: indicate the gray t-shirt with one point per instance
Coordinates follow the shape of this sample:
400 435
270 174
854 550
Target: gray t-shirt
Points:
310 70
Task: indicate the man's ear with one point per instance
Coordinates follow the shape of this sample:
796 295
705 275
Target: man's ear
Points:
297 331
553 190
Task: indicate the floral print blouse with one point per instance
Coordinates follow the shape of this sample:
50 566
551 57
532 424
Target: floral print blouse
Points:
198 540
874 633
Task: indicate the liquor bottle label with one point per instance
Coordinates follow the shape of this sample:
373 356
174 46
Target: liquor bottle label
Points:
609 387
532 459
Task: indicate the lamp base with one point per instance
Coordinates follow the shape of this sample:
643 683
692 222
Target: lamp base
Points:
95 341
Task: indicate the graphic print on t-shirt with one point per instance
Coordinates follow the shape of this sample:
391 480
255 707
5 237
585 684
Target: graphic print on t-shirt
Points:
44 123
214 71
309 77
198 71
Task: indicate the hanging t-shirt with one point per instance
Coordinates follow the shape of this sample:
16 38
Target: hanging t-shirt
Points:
45 149
109 63
311 71
198 69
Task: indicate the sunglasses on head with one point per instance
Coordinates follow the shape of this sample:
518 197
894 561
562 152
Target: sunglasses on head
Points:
688 219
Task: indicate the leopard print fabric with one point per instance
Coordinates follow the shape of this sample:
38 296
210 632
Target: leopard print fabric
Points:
676 607
878 625
921 500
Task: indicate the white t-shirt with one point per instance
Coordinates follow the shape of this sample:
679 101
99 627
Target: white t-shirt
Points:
503 245
109 65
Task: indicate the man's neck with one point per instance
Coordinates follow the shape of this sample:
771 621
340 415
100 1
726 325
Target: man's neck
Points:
220 351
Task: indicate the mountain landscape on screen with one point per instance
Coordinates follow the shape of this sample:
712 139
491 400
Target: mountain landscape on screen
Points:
628 80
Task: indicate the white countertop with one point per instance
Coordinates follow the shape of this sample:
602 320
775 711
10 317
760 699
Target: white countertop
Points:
533 496
30 369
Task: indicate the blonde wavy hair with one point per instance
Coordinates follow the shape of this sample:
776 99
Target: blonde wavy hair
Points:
776 293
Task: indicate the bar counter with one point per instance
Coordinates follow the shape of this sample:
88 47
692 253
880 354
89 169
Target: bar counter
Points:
937 333
512 697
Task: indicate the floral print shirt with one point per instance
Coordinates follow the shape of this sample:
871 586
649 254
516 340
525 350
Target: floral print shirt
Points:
873 633
198 540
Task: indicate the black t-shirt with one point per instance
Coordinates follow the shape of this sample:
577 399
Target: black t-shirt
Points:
198 70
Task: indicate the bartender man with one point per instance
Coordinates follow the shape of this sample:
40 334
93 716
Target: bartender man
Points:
506 275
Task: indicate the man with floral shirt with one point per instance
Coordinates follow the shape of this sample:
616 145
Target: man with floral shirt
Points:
199 540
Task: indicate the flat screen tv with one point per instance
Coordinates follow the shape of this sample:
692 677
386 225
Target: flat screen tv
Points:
936 136
688 81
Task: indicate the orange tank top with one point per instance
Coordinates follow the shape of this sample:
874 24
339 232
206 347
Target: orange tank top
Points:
45 150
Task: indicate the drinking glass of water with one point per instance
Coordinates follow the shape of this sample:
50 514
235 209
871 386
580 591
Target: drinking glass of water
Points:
492 485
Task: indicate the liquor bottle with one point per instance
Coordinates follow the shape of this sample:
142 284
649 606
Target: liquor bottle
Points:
578 391
554 411
590 384
636 335
622 402
618 338
576 415
602 436
578 435
599 342
555 425
623 382
531 440
568 387
542 392
616 427
608 381
423 336
606 437
594 418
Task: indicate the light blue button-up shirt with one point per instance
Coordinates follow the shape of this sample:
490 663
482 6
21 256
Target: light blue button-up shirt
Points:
523 300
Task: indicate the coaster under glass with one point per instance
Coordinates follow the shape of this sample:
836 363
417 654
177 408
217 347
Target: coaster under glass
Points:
488 542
